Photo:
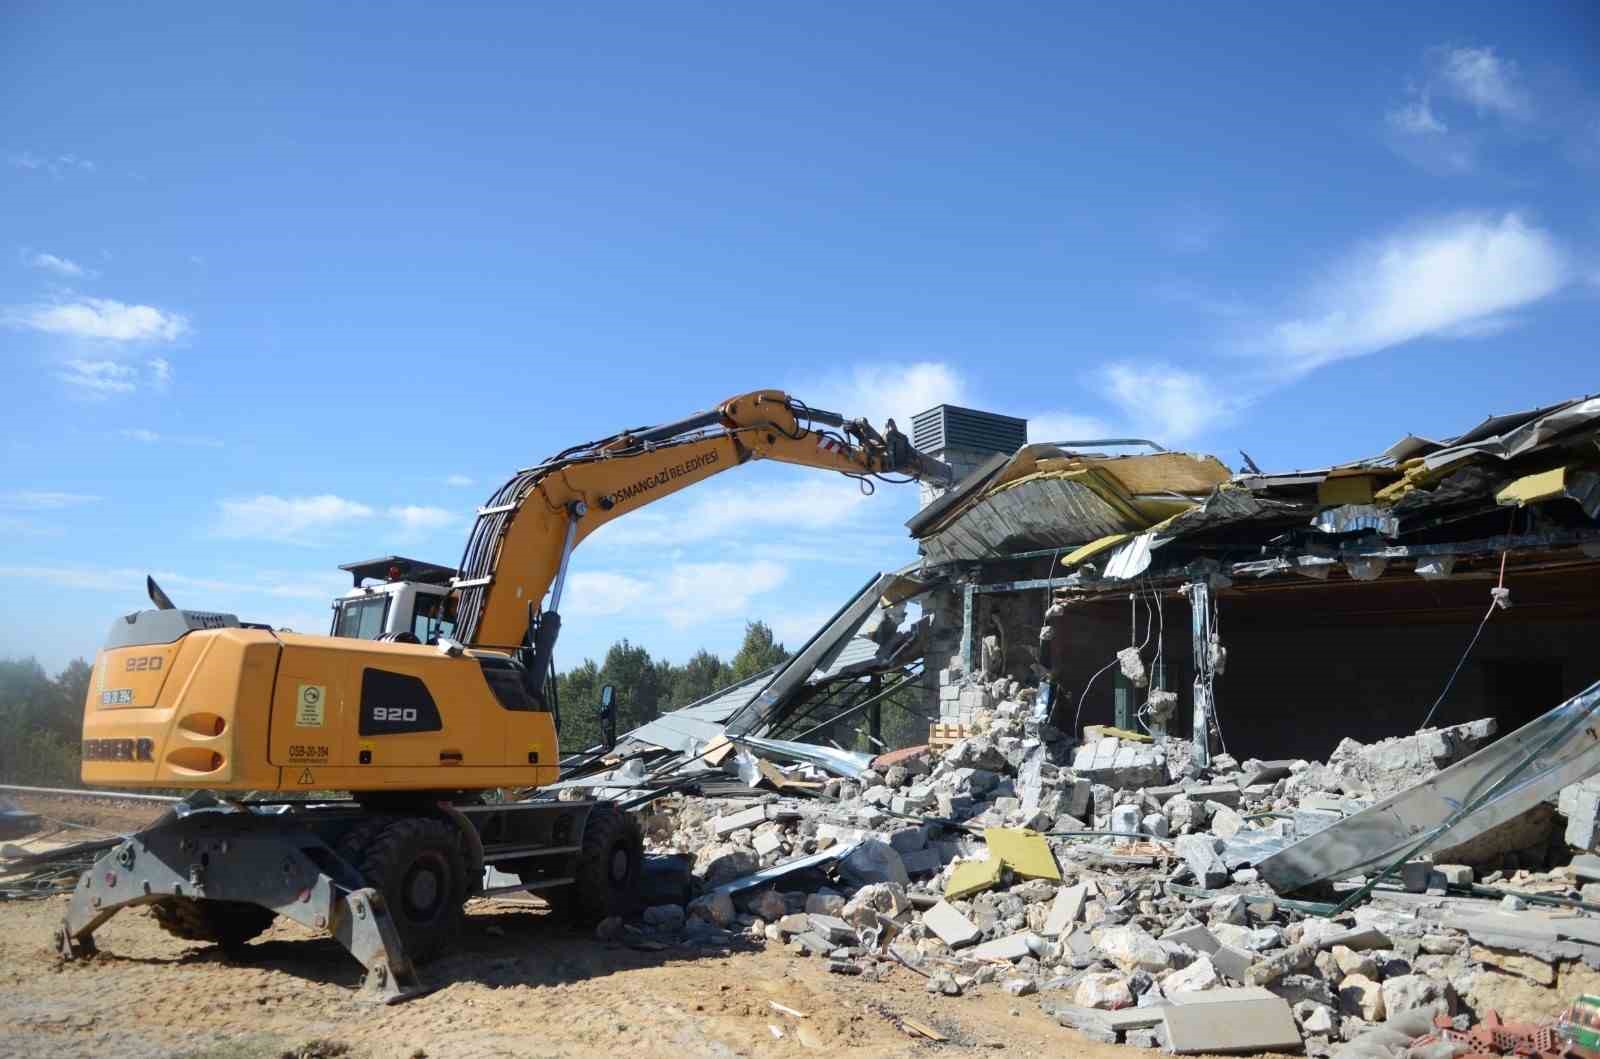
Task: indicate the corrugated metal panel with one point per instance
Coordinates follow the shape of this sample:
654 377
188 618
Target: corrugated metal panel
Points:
700 721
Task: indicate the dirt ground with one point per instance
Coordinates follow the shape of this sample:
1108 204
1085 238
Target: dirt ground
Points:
517 984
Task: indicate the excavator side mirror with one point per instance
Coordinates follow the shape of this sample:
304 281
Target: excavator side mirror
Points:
608 715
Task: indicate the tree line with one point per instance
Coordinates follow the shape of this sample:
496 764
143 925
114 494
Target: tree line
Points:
647 687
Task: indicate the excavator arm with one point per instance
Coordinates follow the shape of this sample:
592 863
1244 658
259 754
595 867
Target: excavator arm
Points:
524 536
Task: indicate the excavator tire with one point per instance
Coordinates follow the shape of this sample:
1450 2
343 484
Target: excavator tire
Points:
607 871
416 863
226 923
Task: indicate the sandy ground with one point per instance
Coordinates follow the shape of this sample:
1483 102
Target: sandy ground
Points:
517 984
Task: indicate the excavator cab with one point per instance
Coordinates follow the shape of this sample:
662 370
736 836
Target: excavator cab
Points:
411 602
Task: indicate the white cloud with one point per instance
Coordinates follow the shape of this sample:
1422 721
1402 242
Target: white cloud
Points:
415 518
152 437
603 593
693 592
1444 278
458 480
823 502
1163 402
213 593
103 378
100 377
684 593
289 519
1480 77
1066 426
101 318
61 266
1415 118
56 165
40 500
880 392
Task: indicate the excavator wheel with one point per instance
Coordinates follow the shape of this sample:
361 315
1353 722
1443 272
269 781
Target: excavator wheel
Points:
417 865
607 870
226 923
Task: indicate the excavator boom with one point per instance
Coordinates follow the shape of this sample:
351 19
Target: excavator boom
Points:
524 536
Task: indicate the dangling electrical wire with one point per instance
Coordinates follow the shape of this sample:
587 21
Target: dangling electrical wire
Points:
1149 629
1499 599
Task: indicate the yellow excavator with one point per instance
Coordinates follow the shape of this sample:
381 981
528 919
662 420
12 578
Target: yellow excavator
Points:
434 689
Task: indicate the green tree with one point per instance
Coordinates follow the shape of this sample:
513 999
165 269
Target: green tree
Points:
42 720
759 651
699 677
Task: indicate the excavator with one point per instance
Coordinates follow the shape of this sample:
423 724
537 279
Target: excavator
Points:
433 695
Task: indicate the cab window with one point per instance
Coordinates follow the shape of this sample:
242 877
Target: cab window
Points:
361 619
432 618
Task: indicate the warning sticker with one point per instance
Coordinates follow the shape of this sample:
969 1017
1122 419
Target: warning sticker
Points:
311 706
305 779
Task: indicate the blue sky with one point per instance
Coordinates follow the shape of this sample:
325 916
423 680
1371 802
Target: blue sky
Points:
291 287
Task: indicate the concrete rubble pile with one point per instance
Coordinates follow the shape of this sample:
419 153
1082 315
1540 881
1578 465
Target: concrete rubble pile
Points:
1113 881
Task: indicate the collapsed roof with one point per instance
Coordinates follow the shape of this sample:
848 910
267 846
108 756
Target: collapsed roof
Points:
1524 480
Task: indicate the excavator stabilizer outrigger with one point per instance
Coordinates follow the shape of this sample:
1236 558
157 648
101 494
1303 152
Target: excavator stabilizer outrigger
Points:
223 864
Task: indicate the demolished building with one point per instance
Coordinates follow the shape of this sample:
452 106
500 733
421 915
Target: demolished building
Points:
1288 746
1290 610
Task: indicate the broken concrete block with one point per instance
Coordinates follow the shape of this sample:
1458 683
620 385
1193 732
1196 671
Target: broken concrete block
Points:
1125 820
714 907
1259 772
1225 823
1200 853
1295 958
1314 1018
1221 793
767 842
824 903
811 944
1131 949
836 930
1231 1026
1065 909
1358 940
723 826
950 926
1349 962
1120 765
908 839
666 918
1155 825
1408 992
794 923
769 906
1362 997
922 861
1234 963
1196 937
874 861
1455 874
1011 947
1198 976
1102 989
